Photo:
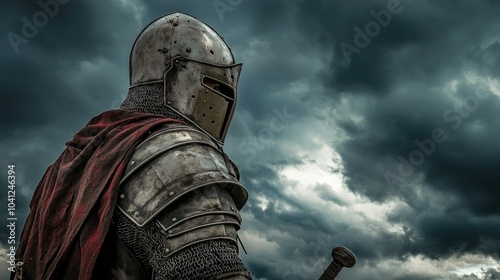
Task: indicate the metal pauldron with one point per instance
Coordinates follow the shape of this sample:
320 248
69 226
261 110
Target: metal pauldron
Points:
181 180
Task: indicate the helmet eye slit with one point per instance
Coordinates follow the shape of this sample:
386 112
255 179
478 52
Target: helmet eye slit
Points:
219 87
195 66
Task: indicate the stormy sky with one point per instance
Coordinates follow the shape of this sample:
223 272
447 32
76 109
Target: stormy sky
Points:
367 124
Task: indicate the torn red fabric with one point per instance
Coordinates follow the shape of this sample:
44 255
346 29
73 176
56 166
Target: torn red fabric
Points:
72 207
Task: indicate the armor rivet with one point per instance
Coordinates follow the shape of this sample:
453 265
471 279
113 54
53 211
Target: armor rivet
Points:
168 102
183 64
170 231
188 49
219 207
165 50
122 196
176 61
174 219
167 250
204 101
171 193
136 214
132 162
205 91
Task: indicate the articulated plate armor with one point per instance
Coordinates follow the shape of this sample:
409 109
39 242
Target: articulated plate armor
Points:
178 208
180 192
172 162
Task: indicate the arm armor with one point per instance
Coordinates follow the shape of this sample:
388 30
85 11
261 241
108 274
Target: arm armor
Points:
180 179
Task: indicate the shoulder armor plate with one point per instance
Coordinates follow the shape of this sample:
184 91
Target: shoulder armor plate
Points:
170 163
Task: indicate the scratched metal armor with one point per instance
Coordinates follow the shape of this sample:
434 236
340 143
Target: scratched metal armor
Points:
178 214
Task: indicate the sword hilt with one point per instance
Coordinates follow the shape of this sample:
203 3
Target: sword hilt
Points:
342 257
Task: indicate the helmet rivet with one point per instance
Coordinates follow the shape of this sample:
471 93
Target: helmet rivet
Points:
188 49
183 64
165 50
206 90
176 61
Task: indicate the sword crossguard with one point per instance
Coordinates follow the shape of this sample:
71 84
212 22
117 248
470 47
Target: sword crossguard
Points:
342 257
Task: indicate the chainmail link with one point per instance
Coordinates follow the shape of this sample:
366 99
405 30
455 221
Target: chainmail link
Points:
148 99
203 260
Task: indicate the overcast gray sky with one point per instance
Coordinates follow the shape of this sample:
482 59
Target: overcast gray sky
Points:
368 124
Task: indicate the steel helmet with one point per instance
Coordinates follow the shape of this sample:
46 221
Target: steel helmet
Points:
196 67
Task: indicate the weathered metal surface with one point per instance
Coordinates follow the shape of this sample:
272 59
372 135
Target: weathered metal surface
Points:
170 164
207 205
342 257
196 66
204 214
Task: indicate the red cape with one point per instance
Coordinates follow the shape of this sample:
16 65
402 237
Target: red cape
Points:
72 207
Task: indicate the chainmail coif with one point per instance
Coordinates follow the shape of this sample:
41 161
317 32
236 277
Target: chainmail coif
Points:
149 99
203 260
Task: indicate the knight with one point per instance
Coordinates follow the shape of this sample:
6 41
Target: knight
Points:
146 191
178 208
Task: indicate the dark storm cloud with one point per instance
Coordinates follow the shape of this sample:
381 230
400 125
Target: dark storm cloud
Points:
42 105
49 61
395 90
425 46
415 25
